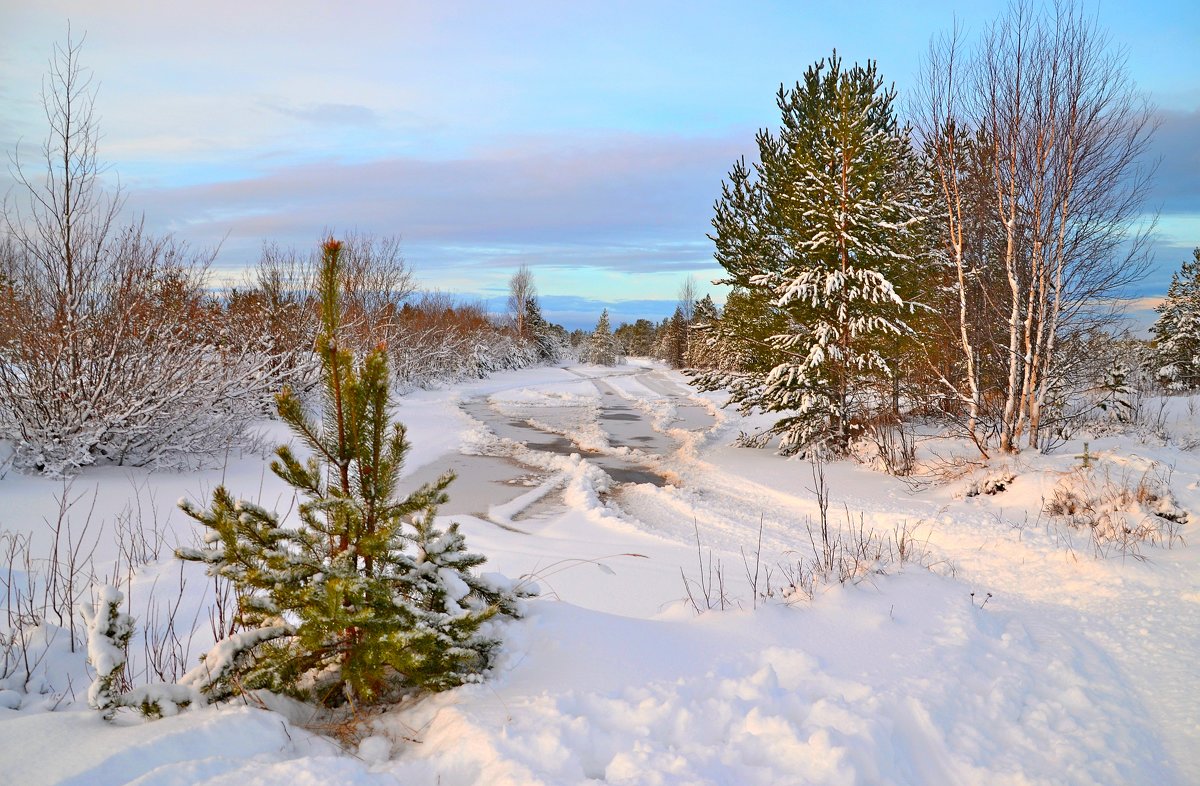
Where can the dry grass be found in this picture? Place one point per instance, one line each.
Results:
(1120, 513)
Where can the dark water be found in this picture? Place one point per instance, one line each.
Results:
(619, 468)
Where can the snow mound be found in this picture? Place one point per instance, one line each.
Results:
(915, 684)
(230, 745)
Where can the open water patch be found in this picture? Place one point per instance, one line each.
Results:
(619, 468)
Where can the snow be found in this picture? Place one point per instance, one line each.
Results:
(1078, 668)
(219, 660)
(206, 745)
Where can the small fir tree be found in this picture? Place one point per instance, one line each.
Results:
(1118, 392)
(673, 345)
(1177, 331)
(547, 338)
(108, 634)
(601, 347)
(365, 598)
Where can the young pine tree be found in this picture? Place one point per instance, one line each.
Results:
(365, 598)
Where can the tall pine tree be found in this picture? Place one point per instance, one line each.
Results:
(674, 340)
(817, 237)
(364, 597)
(549, 339)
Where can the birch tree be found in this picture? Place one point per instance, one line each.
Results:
(1048, 105)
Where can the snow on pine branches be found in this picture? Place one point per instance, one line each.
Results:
(1177, 331)
(822, 238)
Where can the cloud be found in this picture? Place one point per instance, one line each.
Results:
(330, 114)
(1177, 182)
(625, 205)
(1139, 314)
(1143, 303)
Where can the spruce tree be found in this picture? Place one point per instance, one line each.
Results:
(636, 339)
(364, 597)
(601, 347)
(701, 352)
(547, 338)
(817, 237)
(1177, 331)
(673, 348)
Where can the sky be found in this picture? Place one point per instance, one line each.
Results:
(585, 139)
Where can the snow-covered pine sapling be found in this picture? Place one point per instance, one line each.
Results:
(108, 633)
(246, 544)
(361, 599)
(216, 676)
(447, 601)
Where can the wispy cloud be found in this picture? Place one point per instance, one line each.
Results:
(625, 204)
(329, 114)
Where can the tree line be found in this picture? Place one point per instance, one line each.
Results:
(966, 264)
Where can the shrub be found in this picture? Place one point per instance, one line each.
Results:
(1119, 513)
(109, 349)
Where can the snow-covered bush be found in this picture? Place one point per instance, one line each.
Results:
(990, 483)
(108, 634)
(439, 342)
(886, 445)
(136, 384)
(110, 349)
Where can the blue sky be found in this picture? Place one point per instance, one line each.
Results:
(586, 139)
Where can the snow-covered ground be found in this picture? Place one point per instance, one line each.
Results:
(1008, 652)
